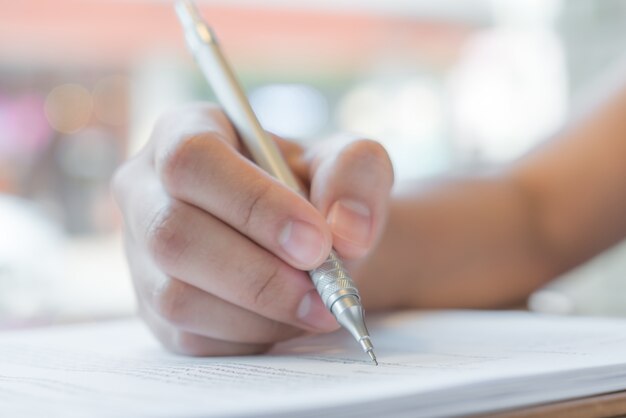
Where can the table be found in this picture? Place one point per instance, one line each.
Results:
(606, 405)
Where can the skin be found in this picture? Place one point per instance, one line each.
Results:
(488, 242)
(217, 248)
(213, 242)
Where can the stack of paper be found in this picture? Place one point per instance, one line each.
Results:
(431, 364)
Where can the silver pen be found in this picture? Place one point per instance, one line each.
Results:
(332, 281)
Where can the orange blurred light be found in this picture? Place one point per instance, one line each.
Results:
(68, 108)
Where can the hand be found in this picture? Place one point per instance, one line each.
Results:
(218, 248)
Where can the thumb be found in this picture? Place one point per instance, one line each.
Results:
(350, 185)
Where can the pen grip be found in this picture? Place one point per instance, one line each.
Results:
(332, 280)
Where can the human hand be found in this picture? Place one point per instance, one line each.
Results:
(218, 249)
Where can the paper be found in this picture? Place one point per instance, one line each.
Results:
(433, 364)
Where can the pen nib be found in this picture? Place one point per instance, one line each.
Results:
(372, 356)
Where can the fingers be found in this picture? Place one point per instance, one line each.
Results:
(190, 344)
(217, 247)
(184, 307)
(206, 254)
(207, 171)
(351, 183)
(201, 250)
(190, 309)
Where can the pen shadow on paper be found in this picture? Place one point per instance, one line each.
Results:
(395, 345)
(387, 339)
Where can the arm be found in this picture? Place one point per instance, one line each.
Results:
(490, 241)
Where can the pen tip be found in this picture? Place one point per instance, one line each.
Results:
(372, 356)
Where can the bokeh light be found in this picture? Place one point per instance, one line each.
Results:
(68, 108)
(445, 86)
(290, 110)
(23, 126)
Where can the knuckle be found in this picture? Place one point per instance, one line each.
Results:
(177, 158)
(180, 160)
(254, 201)
(169, 301)
(265, 288)
(165, 238)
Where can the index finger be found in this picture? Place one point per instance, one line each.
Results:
(199, 162)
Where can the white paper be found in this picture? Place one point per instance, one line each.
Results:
(431, 364)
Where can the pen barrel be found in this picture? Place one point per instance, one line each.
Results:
(333, 281)
(230, 94)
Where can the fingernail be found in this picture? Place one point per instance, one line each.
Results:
(351, 220)
(313, 312)
(303, 242)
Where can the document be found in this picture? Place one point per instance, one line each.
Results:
(431, 364)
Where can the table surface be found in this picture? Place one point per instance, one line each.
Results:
(606, 405)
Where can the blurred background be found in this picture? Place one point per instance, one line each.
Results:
(446, 85)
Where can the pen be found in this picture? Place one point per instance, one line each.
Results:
(331, 279)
